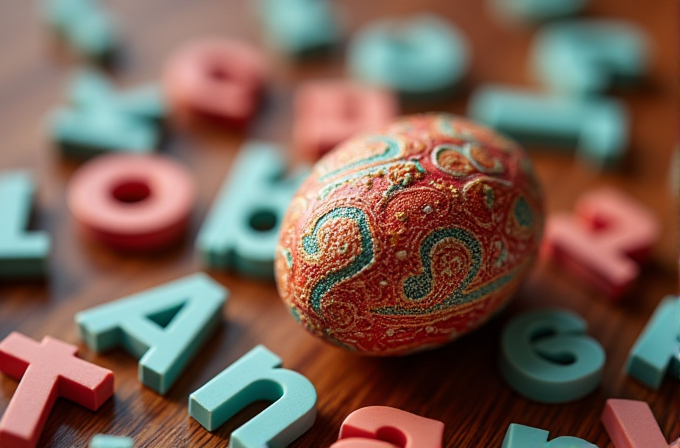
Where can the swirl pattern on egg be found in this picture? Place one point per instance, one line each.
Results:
(406, 238)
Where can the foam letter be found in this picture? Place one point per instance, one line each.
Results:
(242, 229)
(597, 127)
(631, 424)
(391, 425)
(300, 27)
(590, 56)
(84, 24)
(164, 326)
(215, 80)
(47, 371)
(104, 441)
(564, 366)
(132, 202)
(100, 120)
(604, 242)
(656, 350)
(257, 376)
(519, 436)
(422, 58)
(22, 254)
(329, 112)
(528, 11)
(362, 443)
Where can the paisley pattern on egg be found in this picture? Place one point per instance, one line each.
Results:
(407, 238)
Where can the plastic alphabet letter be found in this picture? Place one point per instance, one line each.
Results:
(164, 326)
(597, 127)
(584, 57)
(519, 436)
(241, 230)
(257, 376)
(564, 366)
(328, 112)
(215, 80)
(22, 254)
(392, 425)
(631, 424)
(105, 441)
(132, 202)
(526, 11)
(604, 242)
(46, 370)
(362, 443)
(656, 350)
(300, 27)
(84, 24)
(422, 58)
(100, 120)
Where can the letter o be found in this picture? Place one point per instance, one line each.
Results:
(132, 202)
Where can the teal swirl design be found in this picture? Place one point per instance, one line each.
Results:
(446, 128)
(420, 286)
(328, 189)
(364, 259)
(523, 213)
(391, 151)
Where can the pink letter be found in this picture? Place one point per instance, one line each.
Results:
(604, 241)
(391, 425)
(47, 371)
(631, 424)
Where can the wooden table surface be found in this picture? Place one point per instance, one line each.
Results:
(458, 384)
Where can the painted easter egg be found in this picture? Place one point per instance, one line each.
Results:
(409, 237)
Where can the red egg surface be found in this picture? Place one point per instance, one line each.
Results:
(409, 237)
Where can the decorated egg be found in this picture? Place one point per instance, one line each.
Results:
(409, 237)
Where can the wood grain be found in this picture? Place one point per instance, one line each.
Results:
(458, 384)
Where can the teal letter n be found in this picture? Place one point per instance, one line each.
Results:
(257, 376)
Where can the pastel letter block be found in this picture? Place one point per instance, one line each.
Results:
(656, 349)
(526, 11)
(137, 203)
(604, 242)
(631, 424)
(584, 57)
(84, 24)
(100, 120)
(519, 436)
(257, 376)
(47, 371)
(242, 229)
(300, 27)
(362, 443)
(164, 326)
(422, 58)
(329, 112)
(105, 441)
(596, 127)
(564, 366)
(22, 254)
(392, 425)
(215, 80)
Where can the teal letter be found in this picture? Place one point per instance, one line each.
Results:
(164, 326)
(656, 350)
(257, 376)
(242, 228)
(22, 254)
(99, 120)
(546, 356)
(519, 436)
(104, 441)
